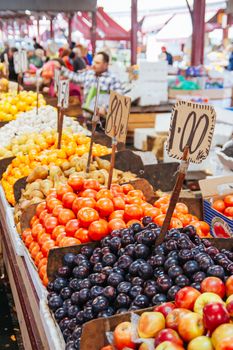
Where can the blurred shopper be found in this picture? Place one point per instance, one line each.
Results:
(65, 56)
(78, 62)
(230, 63)
(37, 45)
(88, 78)
(166, 56)
(5, 51)
(34, 59)
(13, 76)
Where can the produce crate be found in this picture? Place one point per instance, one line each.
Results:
(212, 189)
(212, 94)
(141, 120)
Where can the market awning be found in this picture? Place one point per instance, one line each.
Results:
(48, 5)
(107, 28)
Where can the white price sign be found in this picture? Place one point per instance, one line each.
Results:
(192, 125)
(20, 61)
(57, 74)
(63, 93)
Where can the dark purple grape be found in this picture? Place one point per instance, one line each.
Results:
(156, 260)
(81, 271)
(141, 301)
(159, 299)
(137, 281)
(87, 251)
(150, 291)
(199, 276)
(50, 295)
(72, 324)
(159, 271)
(63, 324)
(66, 333)
(117, 269)
(142, 251)
(175, 271)
(109, 259)
(60, 313)
(88, 314)
(189, 231)
(70, 345)
(147, 220)
(184, 243)
(80, 317)
(216, 271)
(185, 255)
(191, 267)
(77, 332)
(50, 286)
(122, 300)
(182, 281)
(124, 287)
(164, 283)
(64, 271)
(74, 284)
(169, 263)
(115, 244)
(79, 259)
(72, 311)
(65, 293)
(86, 283)
(106, 313)
(59, 283)
(173, 254)
(68, 259)
(126, 239)
(121, 311)
(95, 258)
(160, 250)
(75, 298)
(196, 285)
(145, 271)
(84, 295)
(124, 262)
(134, 291)
(136, 227)
(114, 279)
(171, 245)
(107, 270)
(109, 292)
(99, 304)
(55, 302)
(98, 267)
(133, 269)
(96, 291)
(154, 226)
(67, 303)
(172, 292)
(97, 278)
(149, 237)
(105, 241)
(129, 250)
(138, 237)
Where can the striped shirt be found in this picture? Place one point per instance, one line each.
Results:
(107, 81)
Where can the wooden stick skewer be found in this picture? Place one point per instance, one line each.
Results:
(60, 126)
(175, 195)
(112, 162)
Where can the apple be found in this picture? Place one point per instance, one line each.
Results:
(214, 315)
(190, 326)
(226, 344)
(213, 285)
(204, 299)
(165, 308)
(229, 299)
(200, 343)
(168, 334)
(186, 297)
(222, 333)
(144, 346)
(150, 323)
(229, 306)
(122, 336)
(168, 345)
(172, 319)
(229, 286)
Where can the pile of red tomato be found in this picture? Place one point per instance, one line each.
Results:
(82, 211)
(225, 205)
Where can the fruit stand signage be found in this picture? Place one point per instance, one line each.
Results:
(118, 115)
(57, 74)
(63, 93)
(192, 125)
(20, 61)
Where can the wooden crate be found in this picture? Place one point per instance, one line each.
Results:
(141, 120)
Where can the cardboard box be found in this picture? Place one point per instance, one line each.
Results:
(212, 94)
(140, 137)
(153, 71)
(212, 189)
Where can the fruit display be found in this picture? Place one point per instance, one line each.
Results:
(127, 271)
(195, 321)
(12, 104)
(224, 205)
(17, 131)
(4, 85)
(41, 149)
(44, 178)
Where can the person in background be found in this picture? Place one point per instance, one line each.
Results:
(230, 63)
(78, 62)
(6, 50)
(88, 78)
(37, 45)
(166, 56)
(65, 56)
(34, 59)
(13, 76)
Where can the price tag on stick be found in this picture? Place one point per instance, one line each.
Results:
(117, 124)
(192, 124)
(95, 120)
(63, 102)
(191, 131)
(57, 74)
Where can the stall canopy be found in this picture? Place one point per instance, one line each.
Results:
(107, 28)
(48, 5)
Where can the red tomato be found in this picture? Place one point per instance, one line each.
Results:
(119, 203)
(159, 219)
(127, 187)
(57, 210)
(60, 237)
(105, 206)
(68, 199)
(116, 224)
(228, 211)
(182, 208)
(26, 232)
(69, 241)
(47, 246)
(133, 211)
(33, 220)
(116, 188)
(92, 184)
(98, 229)
(175, 223)
(52, 193)
(42, 271)
(88, 193)
(87, 215)
(71, 227)
(45, 280)
(135, 200)
(152, 211)
(104, 193)
(43, 215)
(136, 193)
(57, 231)
(39, 256)
(219, 205)
(133, 221)
(76, 182)
(32, 245)
(82, 235)
(37, 229)
(65, 215)
(35, 251)
(162, 200)
(117, 214)
(40, 207)
(81, 202)
(28, 240)
(52, 203)
(42, 262)
(50, 224)
(43, 238)
(228, 200)
(62, 189)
